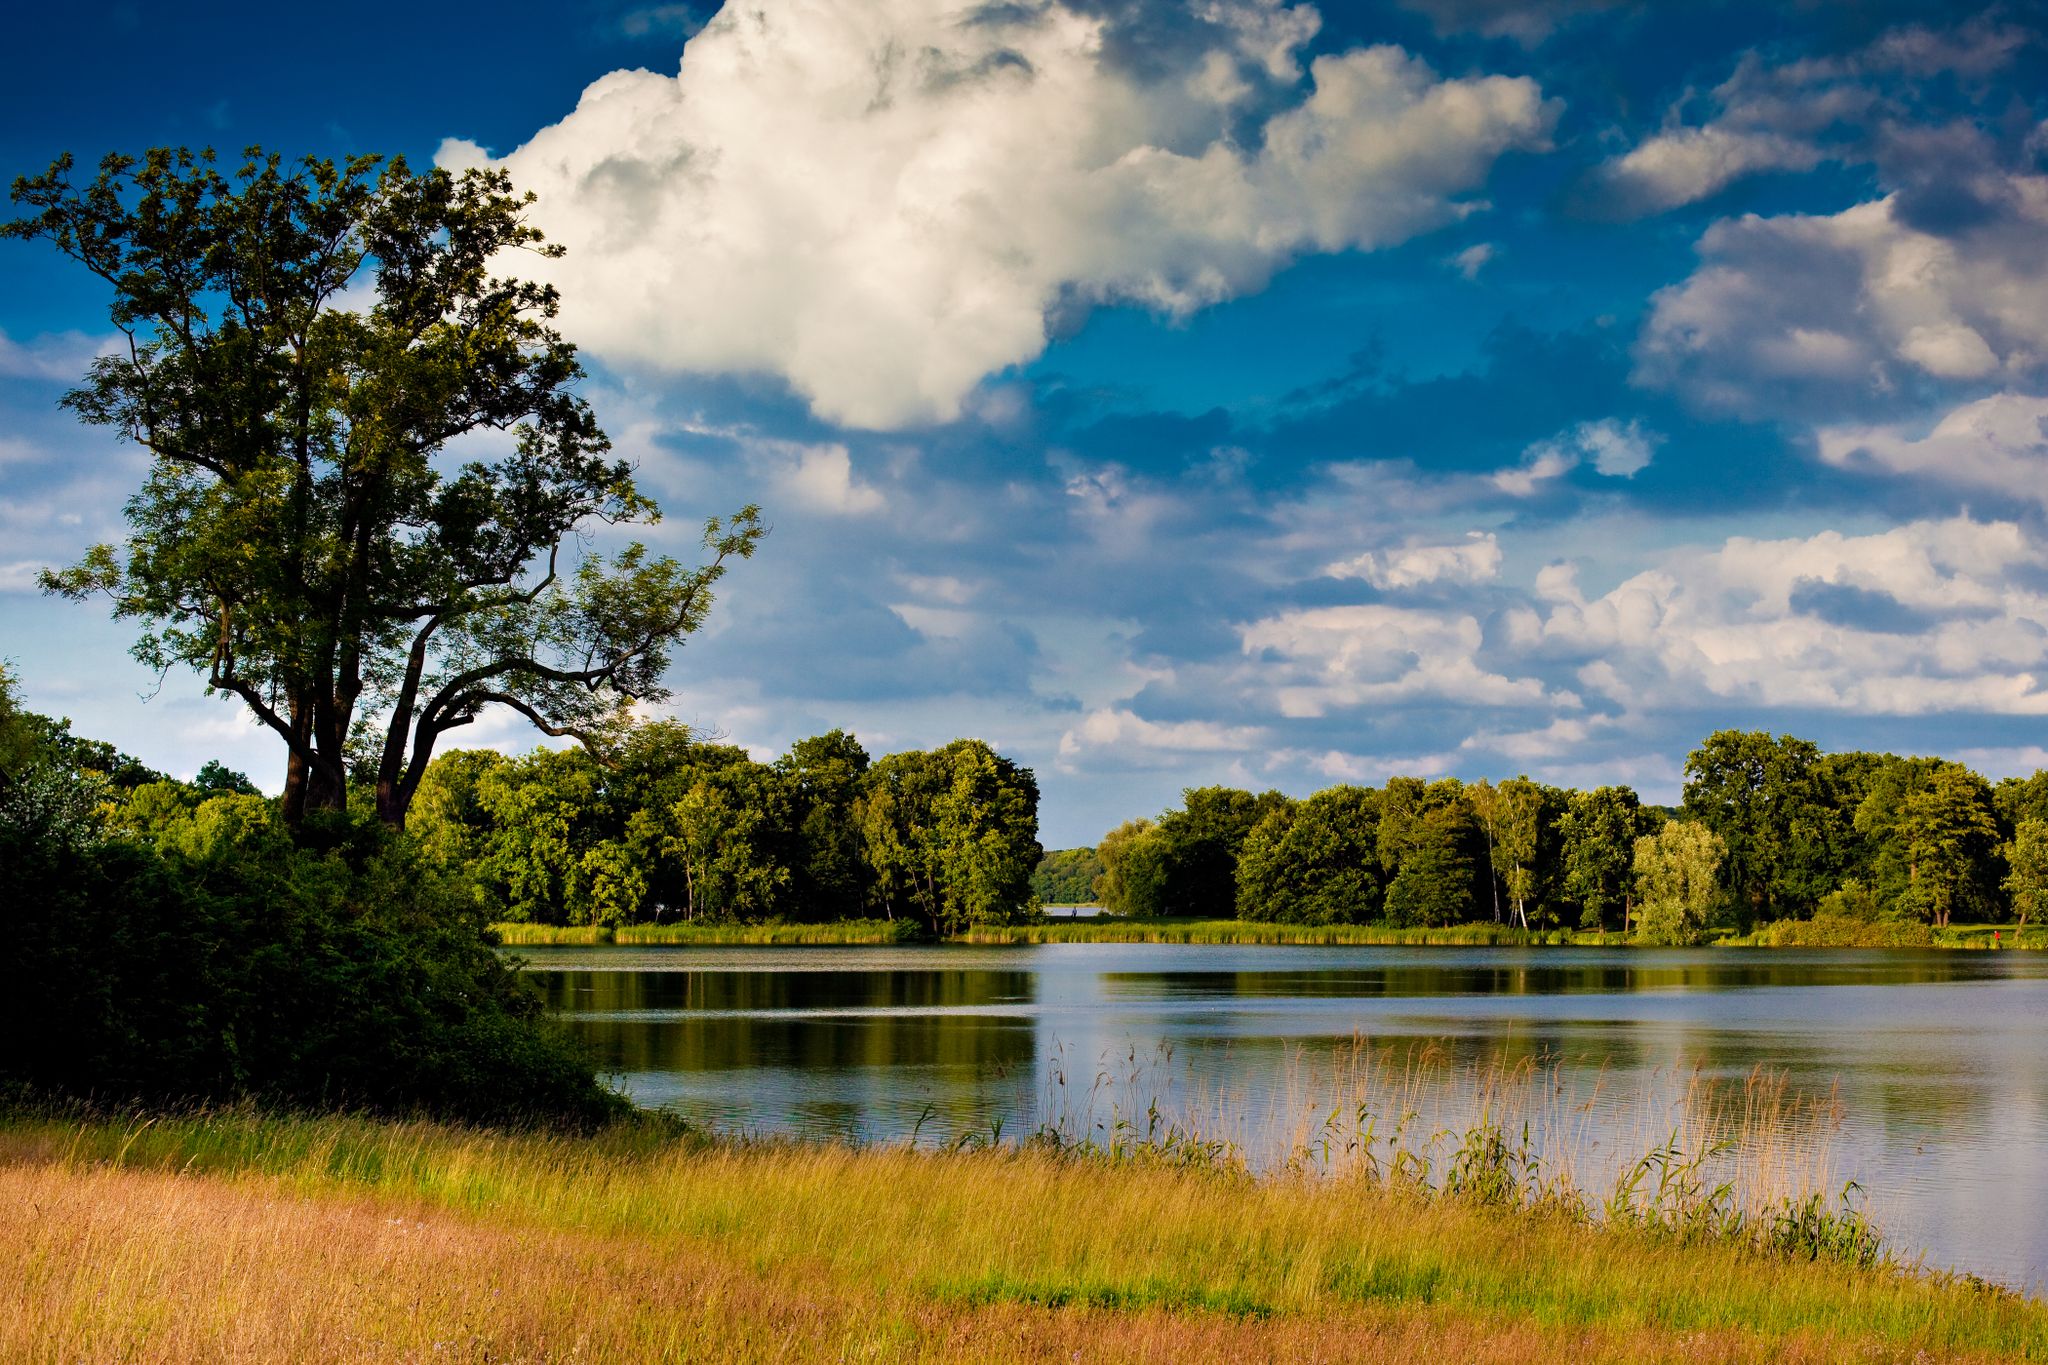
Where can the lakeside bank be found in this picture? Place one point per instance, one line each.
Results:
(1238, 932)
(241, 1236)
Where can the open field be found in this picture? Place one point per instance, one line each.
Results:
(1111, 930)
(238, 1237)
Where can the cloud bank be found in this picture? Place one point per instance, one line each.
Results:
(883, 203)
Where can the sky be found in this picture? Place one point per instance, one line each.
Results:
(1232, 391)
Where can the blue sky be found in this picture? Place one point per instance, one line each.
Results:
(1237, 391)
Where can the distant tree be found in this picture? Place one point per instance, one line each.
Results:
(1403, 804)
(1950, 836)
(216, 778)
(1436, 881)
(1766, 799)
(453, 825)
(2022, 798)
(545, 813)
(1202, 840)
(824, 776)
(724, 833)
(1133, 878)
(1066, 876)
(1599, 832)
(304, 541)
(2027, 880)
(987, 830)
(18, 738)
(951, 834)
(1518, 841)
(1314, 862)
(1677, 872)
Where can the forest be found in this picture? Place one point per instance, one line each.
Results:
(1771, 833)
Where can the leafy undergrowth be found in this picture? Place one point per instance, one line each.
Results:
(238, 1236)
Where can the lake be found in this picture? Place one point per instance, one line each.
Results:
(1938, 1061)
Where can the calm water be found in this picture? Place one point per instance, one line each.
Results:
(1940, 1060)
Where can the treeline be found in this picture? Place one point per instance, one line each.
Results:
(673, 829)
(1771, 830)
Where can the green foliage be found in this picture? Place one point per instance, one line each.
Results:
(1950, 835)
(1676, 874)
(680, 830)
(1436, 881)
(952, 835)
(218, 779)
(1201, 841)
(1598, 832)
(190, 950)
(1768, 801)
(824, 775)
(1314, 862)
(1852, 916)
(1066, 876)
(18, 746)
(1133, 878)
(302, 540)
(2027, 881)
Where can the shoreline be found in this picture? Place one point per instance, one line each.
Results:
(876, 933)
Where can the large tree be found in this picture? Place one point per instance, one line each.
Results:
(1314, 861)
(304, 346)
(1782, 832)
(1599, 831)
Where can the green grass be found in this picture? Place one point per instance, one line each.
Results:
(189, 1238)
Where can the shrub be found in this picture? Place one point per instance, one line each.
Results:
(213, 958)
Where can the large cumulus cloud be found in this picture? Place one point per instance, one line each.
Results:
(884, 202)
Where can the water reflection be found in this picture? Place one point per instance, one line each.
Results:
(1935, 1057)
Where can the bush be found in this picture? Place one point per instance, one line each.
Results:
(1850, 917)
(204, 955)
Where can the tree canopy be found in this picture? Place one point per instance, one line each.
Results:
(368, 460)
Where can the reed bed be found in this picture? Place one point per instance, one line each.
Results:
(860, 931)
(1682, 1152)
(1253, 932)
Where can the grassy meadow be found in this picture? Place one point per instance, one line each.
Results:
(239, 1236)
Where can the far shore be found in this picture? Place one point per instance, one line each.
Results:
(1057, 928)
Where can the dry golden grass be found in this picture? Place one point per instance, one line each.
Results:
(236, 1238)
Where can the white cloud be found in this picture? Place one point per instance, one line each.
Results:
(1689, 164)
(1619, 450)
(1319, 659)
(819, 477)
(1527, 22)
(1928, 617)
(1790, 116)
(1998, 443)
(882, 202)
(1543, 462)
(1113, 730)
(62, 356)
(1475, 559)
(1852, 306)
(1471, 260)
